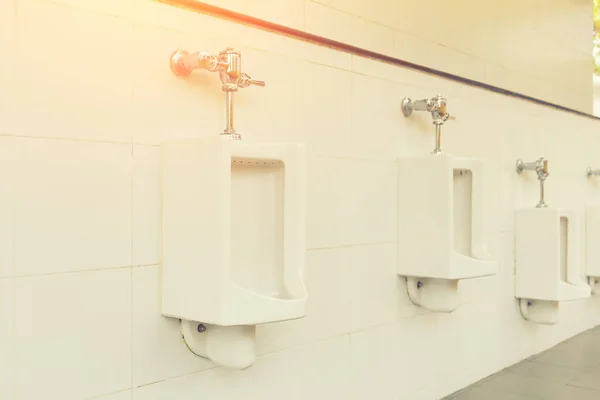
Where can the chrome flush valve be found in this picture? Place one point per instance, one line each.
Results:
(541, 169)
(228, 63)
(437, 106)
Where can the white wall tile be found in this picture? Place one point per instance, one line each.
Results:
(375, 37)
(126, 395)
(289, 13)
(72, 335)
(6, 339)
(374, 202)
(323, 114)
(310, 52)
(376, 363)
(565, 21)
(387, 360)
(113, 7)
(419, 370)
(158, 350)
(8, 166)
(437, 56)
(329, 304)
(72, 205)
(330, 23)
(349, 6)
(175, 18)
(241, 6)
(350, 202)
(329, 212)
(72, 85)
(321, 367)
(468, 347)
(8, 17)
(146, 205)
(462, 26)
(377, 125)
(379, 295)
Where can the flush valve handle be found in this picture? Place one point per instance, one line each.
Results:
(443, 118)
(246, 80)
(438, 106)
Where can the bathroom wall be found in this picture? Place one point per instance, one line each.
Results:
(86, 97)
(537, 47)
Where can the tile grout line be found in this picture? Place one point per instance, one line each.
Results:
(132, 221)
(340, 335)
(16, 152)
(15, 277)
(131, 358)
(13, 336)
(582, 387)
(349, 246)
(67, 139)
(108, 394)
(71, 272)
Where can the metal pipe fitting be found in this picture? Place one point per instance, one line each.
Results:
(437, 106)
(592, 172)
(541, 169)
(228, 63)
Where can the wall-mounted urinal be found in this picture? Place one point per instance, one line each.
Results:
(441, 235)
(546, 256)
(592, 247)
(233, 226)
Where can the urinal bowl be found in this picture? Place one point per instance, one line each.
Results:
(441, 228)
(546, 262)
(233, 241)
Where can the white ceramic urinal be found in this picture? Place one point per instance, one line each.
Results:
(546, 262)
(233, 241)
(592, 247)
(441, 236)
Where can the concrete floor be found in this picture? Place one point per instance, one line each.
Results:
(568, 371)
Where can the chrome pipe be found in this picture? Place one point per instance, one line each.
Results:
(228, 63)
(541, 169)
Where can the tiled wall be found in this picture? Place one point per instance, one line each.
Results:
(86, 95)
(542, 48)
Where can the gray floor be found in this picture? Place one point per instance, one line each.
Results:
(568, 371)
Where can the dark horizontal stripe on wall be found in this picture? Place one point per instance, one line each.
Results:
(258, 23)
